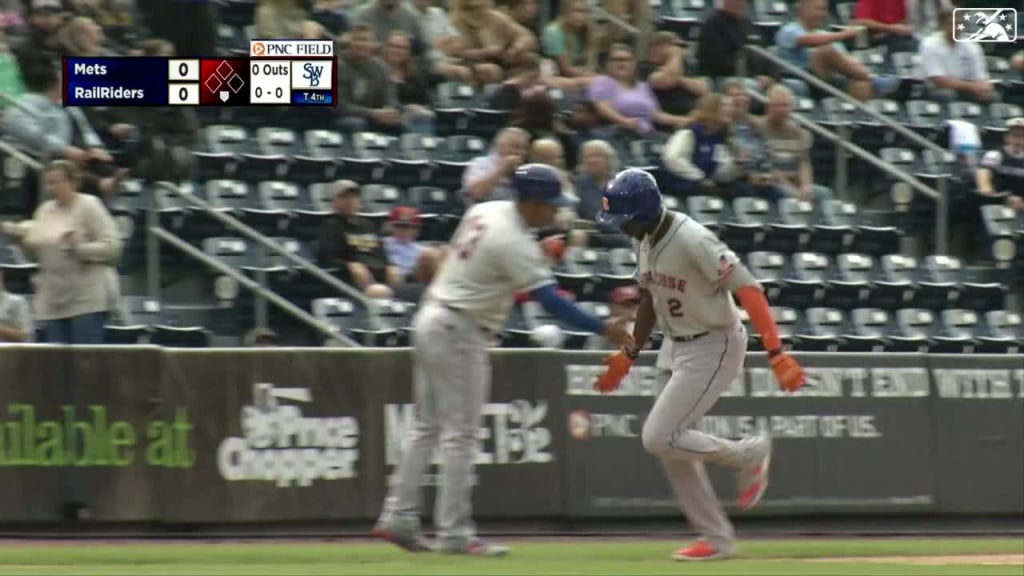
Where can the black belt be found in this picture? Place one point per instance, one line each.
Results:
(689, 338)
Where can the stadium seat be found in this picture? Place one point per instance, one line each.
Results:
(838, 237)
(873, 58)
(894, 285)
(850, 286)
(271, 214)
(873, 134)
(820, 331)
(1001, 228)
(968, 111)
(373, 146)
(456, 95)
(788, 322)
(746, 230)
(535, 315)
(618, 269)
(769, 268)
(393, 330)
(925, 117)
(837, 114)
(180, 336)
(464, 148)
(934, 166)
(233, 252)
(227, 138)
(905, 63)
(804, 283)
(955, 332)
(378, 200)
(769, 15)
(578, 271)
(212, 165)
(415, 146)
(865, 331)
(938, 281)
(438, 212)
(125, 335)
(228, 195)
(340, 313)
(325, 144)
(136, 310)
(998, 68)
(1002, 333)
(485, 122)
(876, 240)
(912, 330)
(708, 210)
(516, 333)
(646, 152)
(687, 26)
(792, 229)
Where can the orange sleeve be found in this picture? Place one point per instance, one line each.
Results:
(754, 302)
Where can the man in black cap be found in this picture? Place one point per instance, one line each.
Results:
(351, 244)
(1002, 171)
(45, 19)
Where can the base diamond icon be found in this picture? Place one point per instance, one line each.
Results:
(224, 95)
(236, 83)
(224, 70)
(213, 83)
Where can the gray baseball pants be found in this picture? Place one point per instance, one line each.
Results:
(451, 384)
(702, 370)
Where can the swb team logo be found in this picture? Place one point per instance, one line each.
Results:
(985, 25)
(312, 73)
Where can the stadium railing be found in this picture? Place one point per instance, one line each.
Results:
(940, 195)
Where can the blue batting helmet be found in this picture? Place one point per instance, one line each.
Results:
(632, 196)
(539, 182)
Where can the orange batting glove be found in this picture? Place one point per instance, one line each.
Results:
(554, 247)
(618, 365)
(788, 371)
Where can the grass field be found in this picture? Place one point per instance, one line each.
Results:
(874, 557)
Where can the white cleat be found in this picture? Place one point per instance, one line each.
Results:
(752, 478)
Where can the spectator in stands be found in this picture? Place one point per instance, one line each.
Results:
(632, 13)
(16, 323)
(754, 167)
(627, 104)
(573, 41)
(442, 42)
(1017, 62)
(487, 177)
(416, 261)
(350, 243)
(77, 245)
(367, 99)
(83, 38)
(665, 72)
(494, 43)
(261, 338)
(45, 19)
(721, 50)
(154, 142)
(953, 70)
(116, 17)
(12, 19)
(789, 153)
(699, 156)
(584, 121)
(45, 129)
(888, 23)
(549, 151)
(196, 40)
(386, 16)
(11, 83)
(624, 302)
(537, 113)
(1001, 172)
(803, 43)
(526, 13)
(599, 163)
(285, 19)
(331, 16)
(412, 87)
(523, 79)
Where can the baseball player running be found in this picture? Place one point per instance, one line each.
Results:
(493, 256)
(688, 278)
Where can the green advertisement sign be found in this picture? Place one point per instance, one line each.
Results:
(89, 436)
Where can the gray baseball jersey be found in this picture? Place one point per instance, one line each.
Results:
(493, 257)
(689, 273)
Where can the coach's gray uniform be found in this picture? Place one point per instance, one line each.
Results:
(690, 275)
(493, 256)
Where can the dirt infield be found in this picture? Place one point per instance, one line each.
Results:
(962, 560)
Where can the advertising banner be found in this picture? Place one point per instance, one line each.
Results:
(979, 433)
(281, 433)
(850, 413)
(519, 465)
(79, 427)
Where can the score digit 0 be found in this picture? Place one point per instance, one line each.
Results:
(183, 70)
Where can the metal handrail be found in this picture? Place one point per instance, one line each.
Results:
(20, 156)
(330, 332)
(822, 85)
(600, 12)
(298, 261)
(940, 197)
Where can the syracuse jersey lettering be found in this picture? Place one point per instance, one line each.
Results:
(686, 272)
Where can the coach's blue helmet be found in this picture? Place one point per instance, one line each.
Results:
(631, 196)
(539, 182)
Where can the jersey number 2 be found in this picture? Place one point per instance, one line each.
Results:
(675, 308)
(468, 240)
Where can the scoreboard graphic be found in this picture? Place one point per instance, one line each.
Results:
(277, 72)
